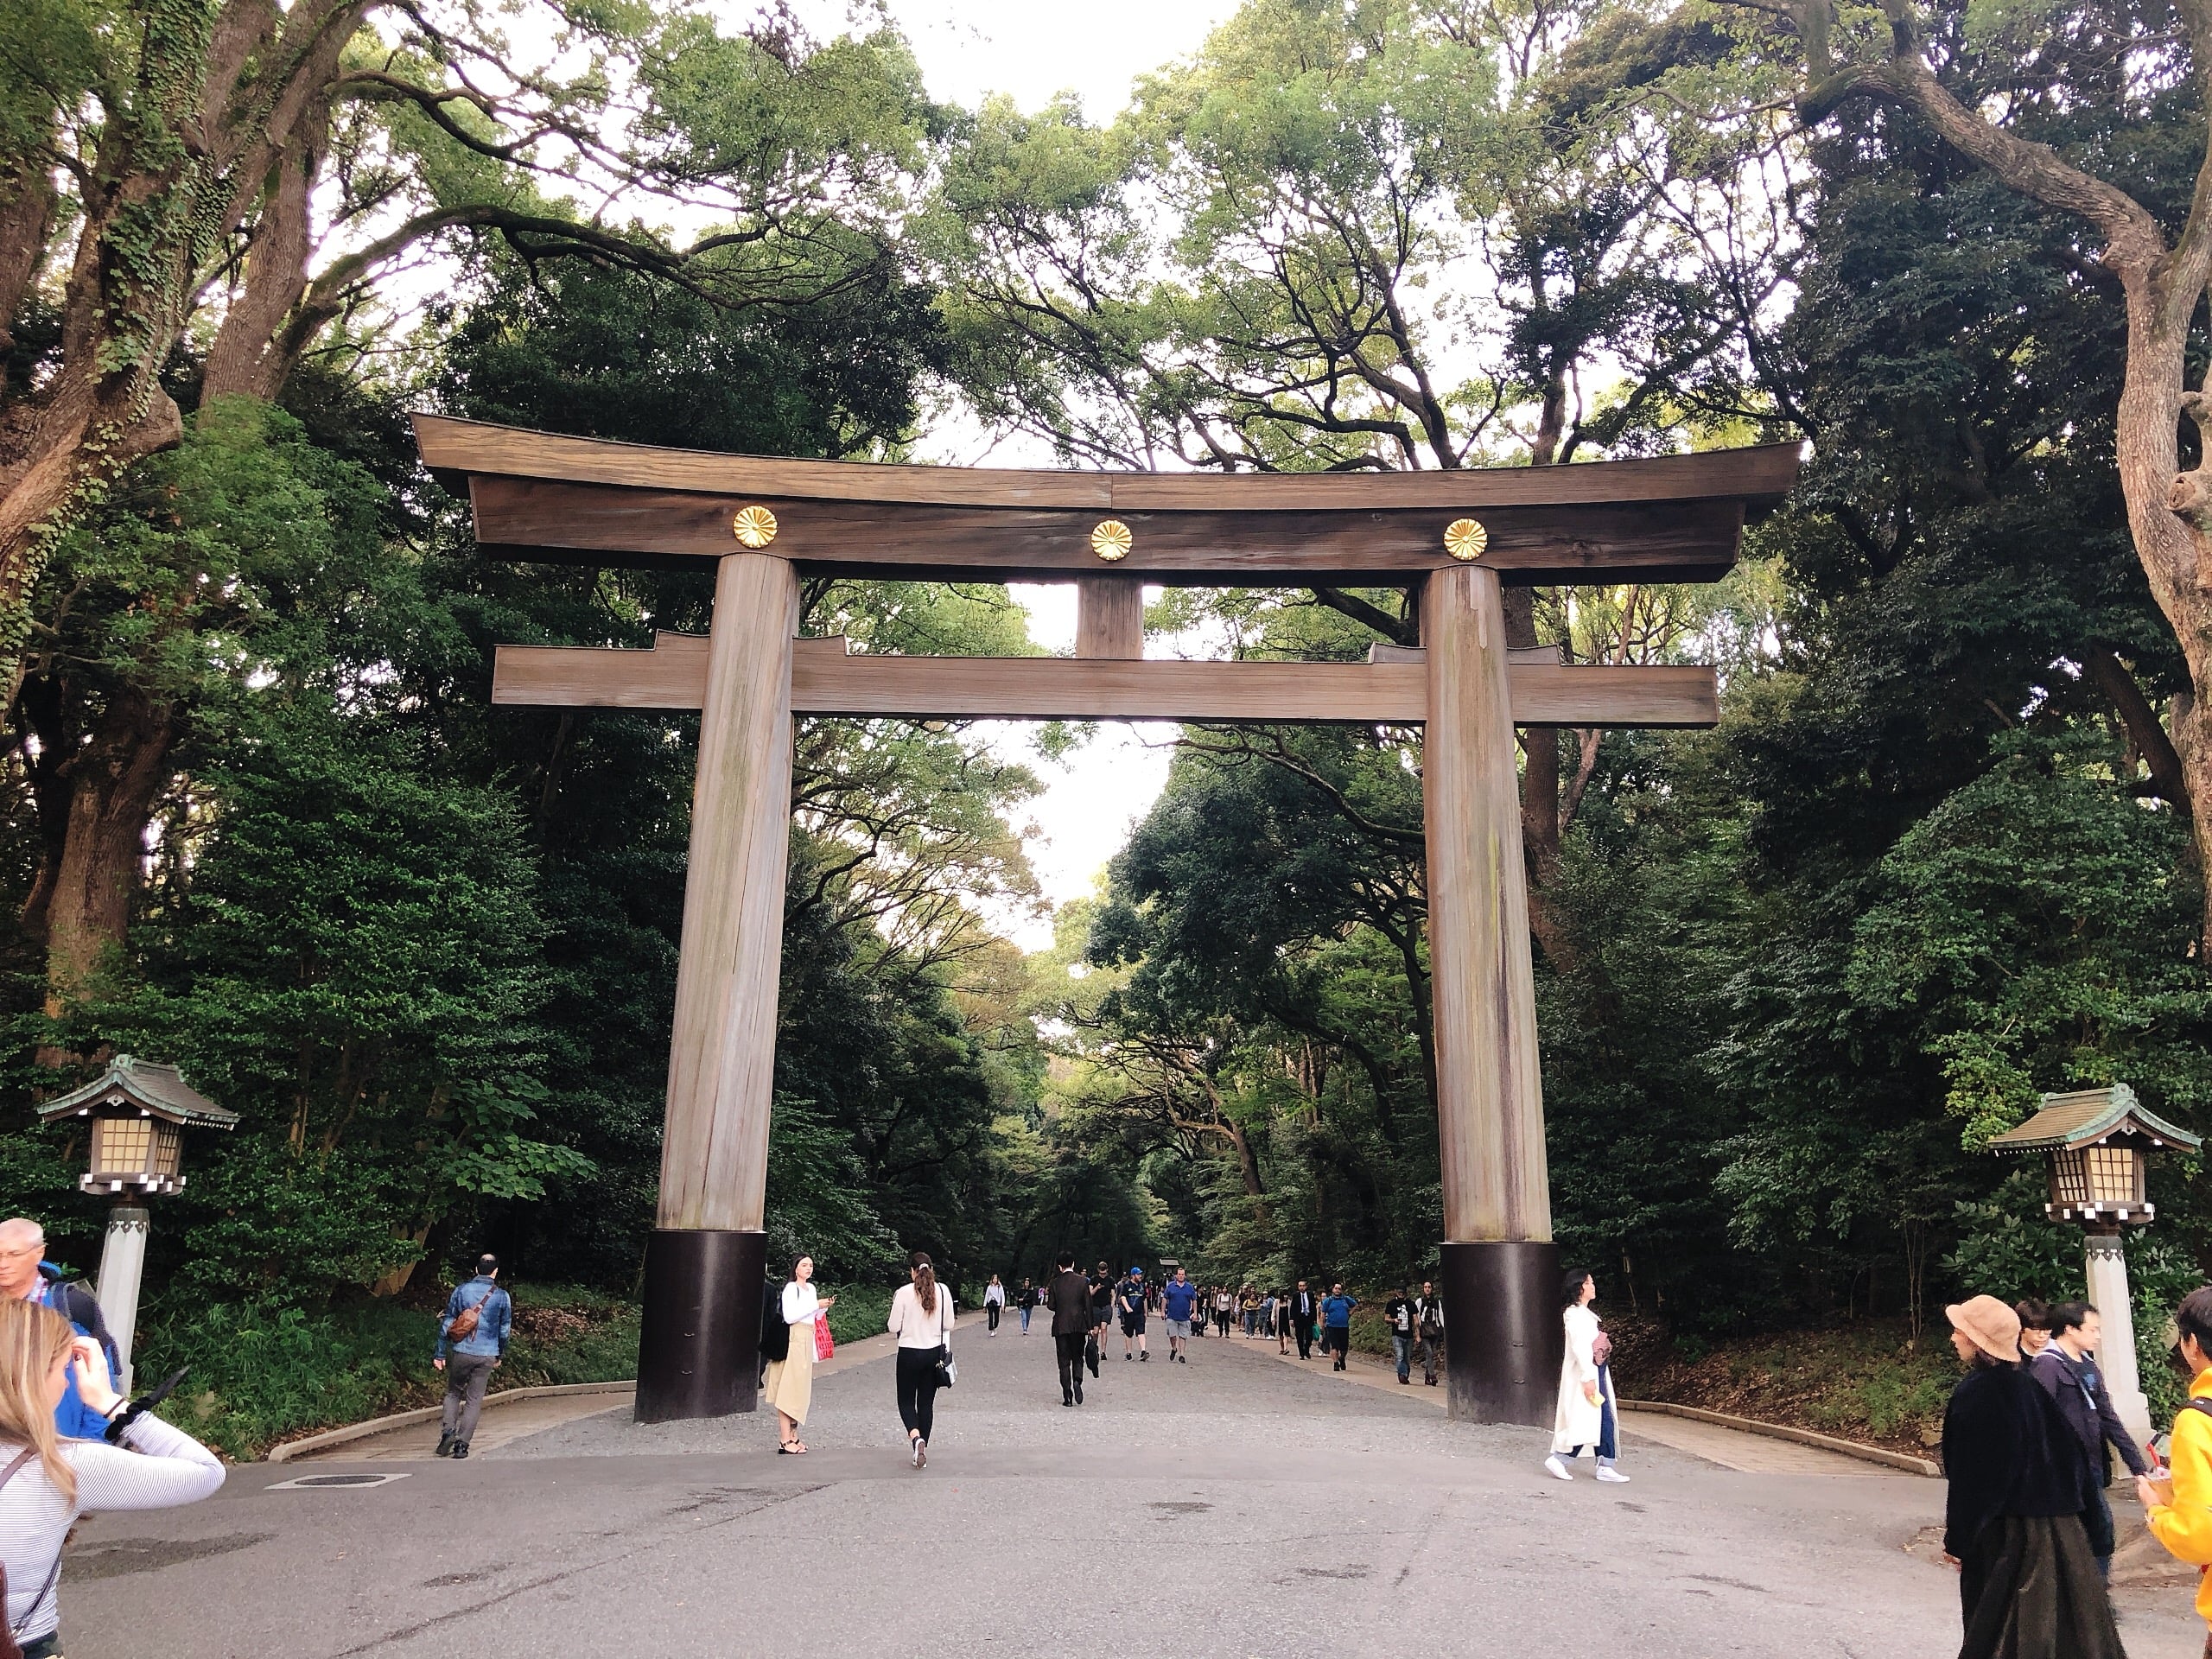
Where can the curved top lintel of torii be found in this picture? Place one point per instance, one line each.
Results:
(545, 496)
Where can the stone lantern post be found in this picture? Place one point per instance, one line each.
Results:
(137, 1112)
(2098, 1142)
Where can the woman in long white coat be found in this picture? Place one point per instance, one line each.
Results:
(1587, 1414)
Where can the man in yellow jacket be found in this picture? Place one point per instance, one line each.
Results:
(2179, 1508)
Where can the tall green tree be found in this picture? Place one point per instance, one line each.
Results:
(2094, 114)
(171, 170)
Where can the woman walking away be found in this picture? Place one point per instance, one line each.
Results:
(2019, 1479)
(47, 1482)
(1587, 1415)
(921, 1318)
(994, 1302)
(790, 1376)
(2179, 1508)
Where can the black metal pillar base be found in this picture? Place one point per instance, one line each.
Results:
(698, 1353)
(1503, 1338)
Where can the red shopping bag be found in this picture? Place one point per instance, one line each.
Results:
(822, 1346)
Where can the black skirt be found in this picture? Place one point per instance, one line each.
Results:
(2030, 1590)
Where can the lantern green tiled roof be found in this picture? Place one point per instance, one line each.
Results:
(2087, 1117)
(157, 1090)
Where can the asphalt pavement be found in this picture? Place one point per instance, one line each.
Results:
(1236, 1506)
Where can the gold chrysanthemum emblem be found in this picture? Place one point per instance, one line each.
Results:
(1465, 539)
(1111, 540)
(754, 526)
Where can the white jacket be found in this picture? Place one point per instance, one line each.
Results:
(1577, 1421)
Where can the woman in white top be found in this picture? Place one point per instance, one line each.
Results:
(1587, 1415)
(993, 1300)
(790, 1379)
(921, 1318)
(47, 1482)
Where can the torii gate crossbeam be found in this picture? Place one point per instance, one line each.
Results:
(1458, 537)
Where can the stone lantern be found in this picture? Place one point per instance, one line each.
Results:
(2099, 1143)
(139, 1113)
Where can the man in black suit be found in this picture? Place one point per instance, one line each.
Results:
(1303, 1310)
(1069, 1297)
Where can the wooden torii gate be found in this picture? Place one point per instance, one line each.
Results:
(1456, 535)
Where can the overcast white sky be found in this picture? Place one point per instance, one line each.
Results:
(1031, 49)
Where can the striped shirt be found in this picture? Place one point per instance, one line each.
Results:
(164, 1466)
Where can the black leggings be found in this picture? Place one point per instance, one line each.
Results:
(917, 1389)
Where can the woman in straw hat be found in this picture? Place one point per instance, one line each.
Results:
(2020, 1481)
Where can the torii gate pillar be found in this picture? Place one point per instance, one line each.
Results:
(1501, 1272)
(705, 1263)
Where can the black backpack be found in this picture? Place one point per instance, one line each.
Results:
(775, 1335)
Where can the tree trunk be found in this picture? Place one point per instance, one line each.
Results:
(2169, 510)
(78, 444)
(263, 334)
(1248, 1165)
(207, 129)
(2169, 519)
(26, 216)
(113, 782)
(2148, 740)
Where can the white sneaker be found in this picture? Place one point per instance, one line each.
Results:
(1608, 1473)
(921, 1453)
(1555, 1469)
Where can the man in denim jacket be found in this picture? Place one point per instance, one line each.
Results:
(472, 1357)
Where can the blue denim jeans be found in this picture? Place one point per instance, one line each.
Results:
(1608, 1431)
(1402, 1350)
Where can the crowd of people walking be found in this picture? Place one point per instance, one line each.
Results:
(1297, 1315)
(1082, 1306)
(2027, 1434)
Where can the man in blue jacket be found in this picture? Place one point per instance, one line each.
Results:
(2067, 1368)
(472, 1341)
(27, 1276)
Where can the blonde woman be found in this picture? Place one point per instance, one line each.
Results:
(47, 1482)
(921, 1318)
(790, 1379)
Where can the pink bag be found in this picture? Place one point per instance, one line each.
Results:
(822, 1346)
